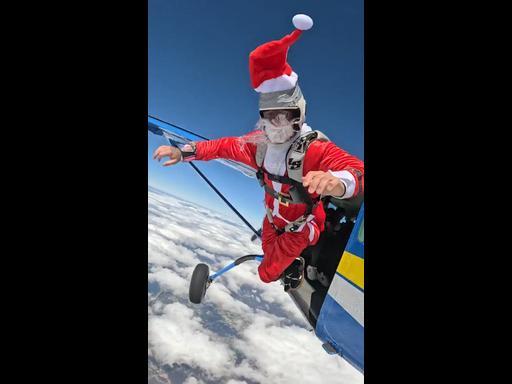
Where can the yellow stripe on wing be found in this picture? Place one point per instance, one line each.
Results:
(351, 267)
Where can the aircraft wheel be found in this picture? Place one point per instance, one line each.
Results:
(199, 283)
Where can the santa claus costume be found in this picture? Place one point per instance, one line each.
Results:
(295, 218)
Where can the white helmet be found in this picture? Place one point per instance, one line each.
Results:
(290, 99)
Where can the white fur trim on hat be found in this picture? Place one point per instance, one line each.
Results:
(281, 83)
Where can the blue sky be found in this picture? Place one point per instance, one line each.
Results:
(198, 78)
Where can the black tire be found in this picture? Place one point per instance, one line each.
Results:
(198, 283)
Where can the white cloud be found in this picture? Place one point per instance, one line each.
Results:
(245, 331)
(169, 280)
(179, 337)
(192, 380)
(221, 296)
(263, 341)
(202, 252)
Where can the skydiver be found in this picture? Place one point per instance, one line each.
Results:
(295, 165)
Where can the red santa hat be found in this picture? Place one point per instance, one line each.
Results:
(268, 67)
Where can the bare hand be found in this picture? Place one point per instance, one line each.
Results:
(323, 183)
(173, 153)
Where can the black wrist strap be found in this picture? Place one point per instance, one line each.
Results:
(188, 154)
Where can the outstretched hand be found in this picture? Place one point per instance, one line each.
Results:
(173, 153)
(323, 183)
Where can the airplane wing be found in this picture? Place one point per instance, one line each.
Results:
(341, 320)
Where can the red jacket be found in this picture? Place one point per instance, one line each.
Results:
(320, 156)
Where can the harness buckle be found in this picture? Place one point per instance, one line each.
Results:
(280, 199)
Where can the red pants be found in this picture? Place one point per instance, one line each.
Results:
(280, 250)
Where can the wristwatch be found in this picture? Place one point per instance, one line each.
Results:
(188, 152)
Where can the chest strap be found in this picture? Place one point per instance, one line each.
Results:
(297, 194)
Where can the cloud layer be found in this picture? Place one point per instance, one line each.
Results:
(245, 331)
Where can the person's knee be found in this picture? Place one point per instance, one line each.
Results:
(263, 275)
(266, 275)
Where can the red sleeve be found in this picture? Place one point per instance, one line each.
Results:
(326, 156)
(231, 148)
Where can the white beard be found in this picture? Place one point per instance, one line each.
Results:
(267, 133)
(278, 131)
(260, 135)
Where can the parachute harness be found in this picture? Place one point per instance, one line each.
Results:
(297, 194)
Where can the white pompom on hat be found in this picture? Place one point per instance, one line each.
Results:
(302, 22)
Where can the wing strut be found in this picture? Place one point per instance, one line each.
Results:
(224, 199)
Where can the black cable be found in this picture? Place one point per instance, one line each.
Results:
(225, 200)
